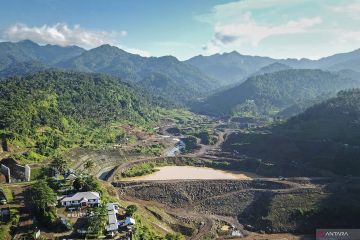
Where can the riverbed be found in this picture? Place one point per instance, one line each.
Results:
(190, 172)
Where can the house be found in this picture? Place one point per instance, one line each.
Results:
(129, 221)
(81, 199)
(112, 227)
(70, 174)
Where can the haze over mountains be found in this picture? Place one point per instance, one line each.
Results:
(273, 92)
(177, 81)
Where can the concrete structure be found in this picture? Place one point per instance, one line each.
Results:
(6, 172)
(112, 227)
(81, 199)
(27, 173)
(15, 172)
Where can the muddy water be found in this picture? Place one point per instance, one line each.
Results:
(189, 172)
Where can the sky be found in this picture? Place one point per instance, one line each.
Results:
(185, 28)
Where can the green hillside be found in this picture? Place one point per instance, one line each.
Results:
(274, 92)
(151, 73)
(51, 111)
(324, 139)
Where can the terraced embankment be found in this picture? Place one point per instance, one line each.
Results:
(270, 205)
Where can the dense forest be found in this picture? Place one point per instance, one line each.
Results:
(271, 93)
(51, 110)
(174, 80)
(326, 136)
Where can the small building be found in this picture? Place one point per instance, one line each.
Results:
(81, 199)
(113, 226)
(129, 221)
(70, 174)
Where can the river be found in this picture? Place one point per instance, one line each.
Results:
(189, 172)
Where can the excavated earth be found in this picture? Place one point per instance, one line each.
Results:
(263, 205)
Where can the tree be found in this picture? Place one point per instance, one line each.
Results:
(78, 183)
(97, 220)
(90, 184)
(41, 196)
(131, 209)
(89, 164)
(59, 164)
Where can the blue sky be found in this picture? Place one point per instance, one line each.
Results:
(276, 28)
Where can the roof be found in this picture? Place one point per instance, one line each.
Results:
(70, 176)
(112, 218)
(129, 221)
(111, 227)
(112, 206)
(80, 195)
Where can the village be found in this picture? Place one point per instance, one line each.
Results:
(82, 208)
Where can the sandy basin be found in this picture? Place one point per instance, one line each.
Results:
(189, 172)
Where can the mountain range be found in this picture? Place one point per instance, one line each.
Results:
(174, 80)
(229, 68)
(323, 139)
(28, 57)
(270, 93)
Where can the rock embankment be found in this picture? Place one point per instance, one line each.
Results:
(197, 193)
(270, 205)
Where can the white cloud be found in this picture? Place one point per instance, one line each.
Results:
(64, 35)
(60, 34)
(353, 9)
(140, 52)
(248, 31)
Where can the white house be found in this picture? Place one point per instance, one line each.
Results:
(81, 199)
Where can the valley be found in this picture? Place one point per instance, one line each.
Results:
(174, 152)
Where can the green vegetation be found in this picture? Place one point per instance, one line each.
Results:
(131, 209)
(146, 232)
(96, 221)
(166, 75)
(7, 193)
(301, 212)
(190, 143)
(270, 93)
(323, 138)
(5, 228)
(87, 183)
(50, 112)
(154, 149)
(42, 199)
(140, 170)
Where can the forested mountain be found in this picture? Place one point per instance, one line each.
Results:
(272, 92)
(167, 88)
(229, 68)
(153, 73)
(273, 67)
(26, 56)
(166, 76)
(326, 136)
(51, 110)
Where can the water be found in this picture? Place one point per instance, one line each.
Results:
(189, 172)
